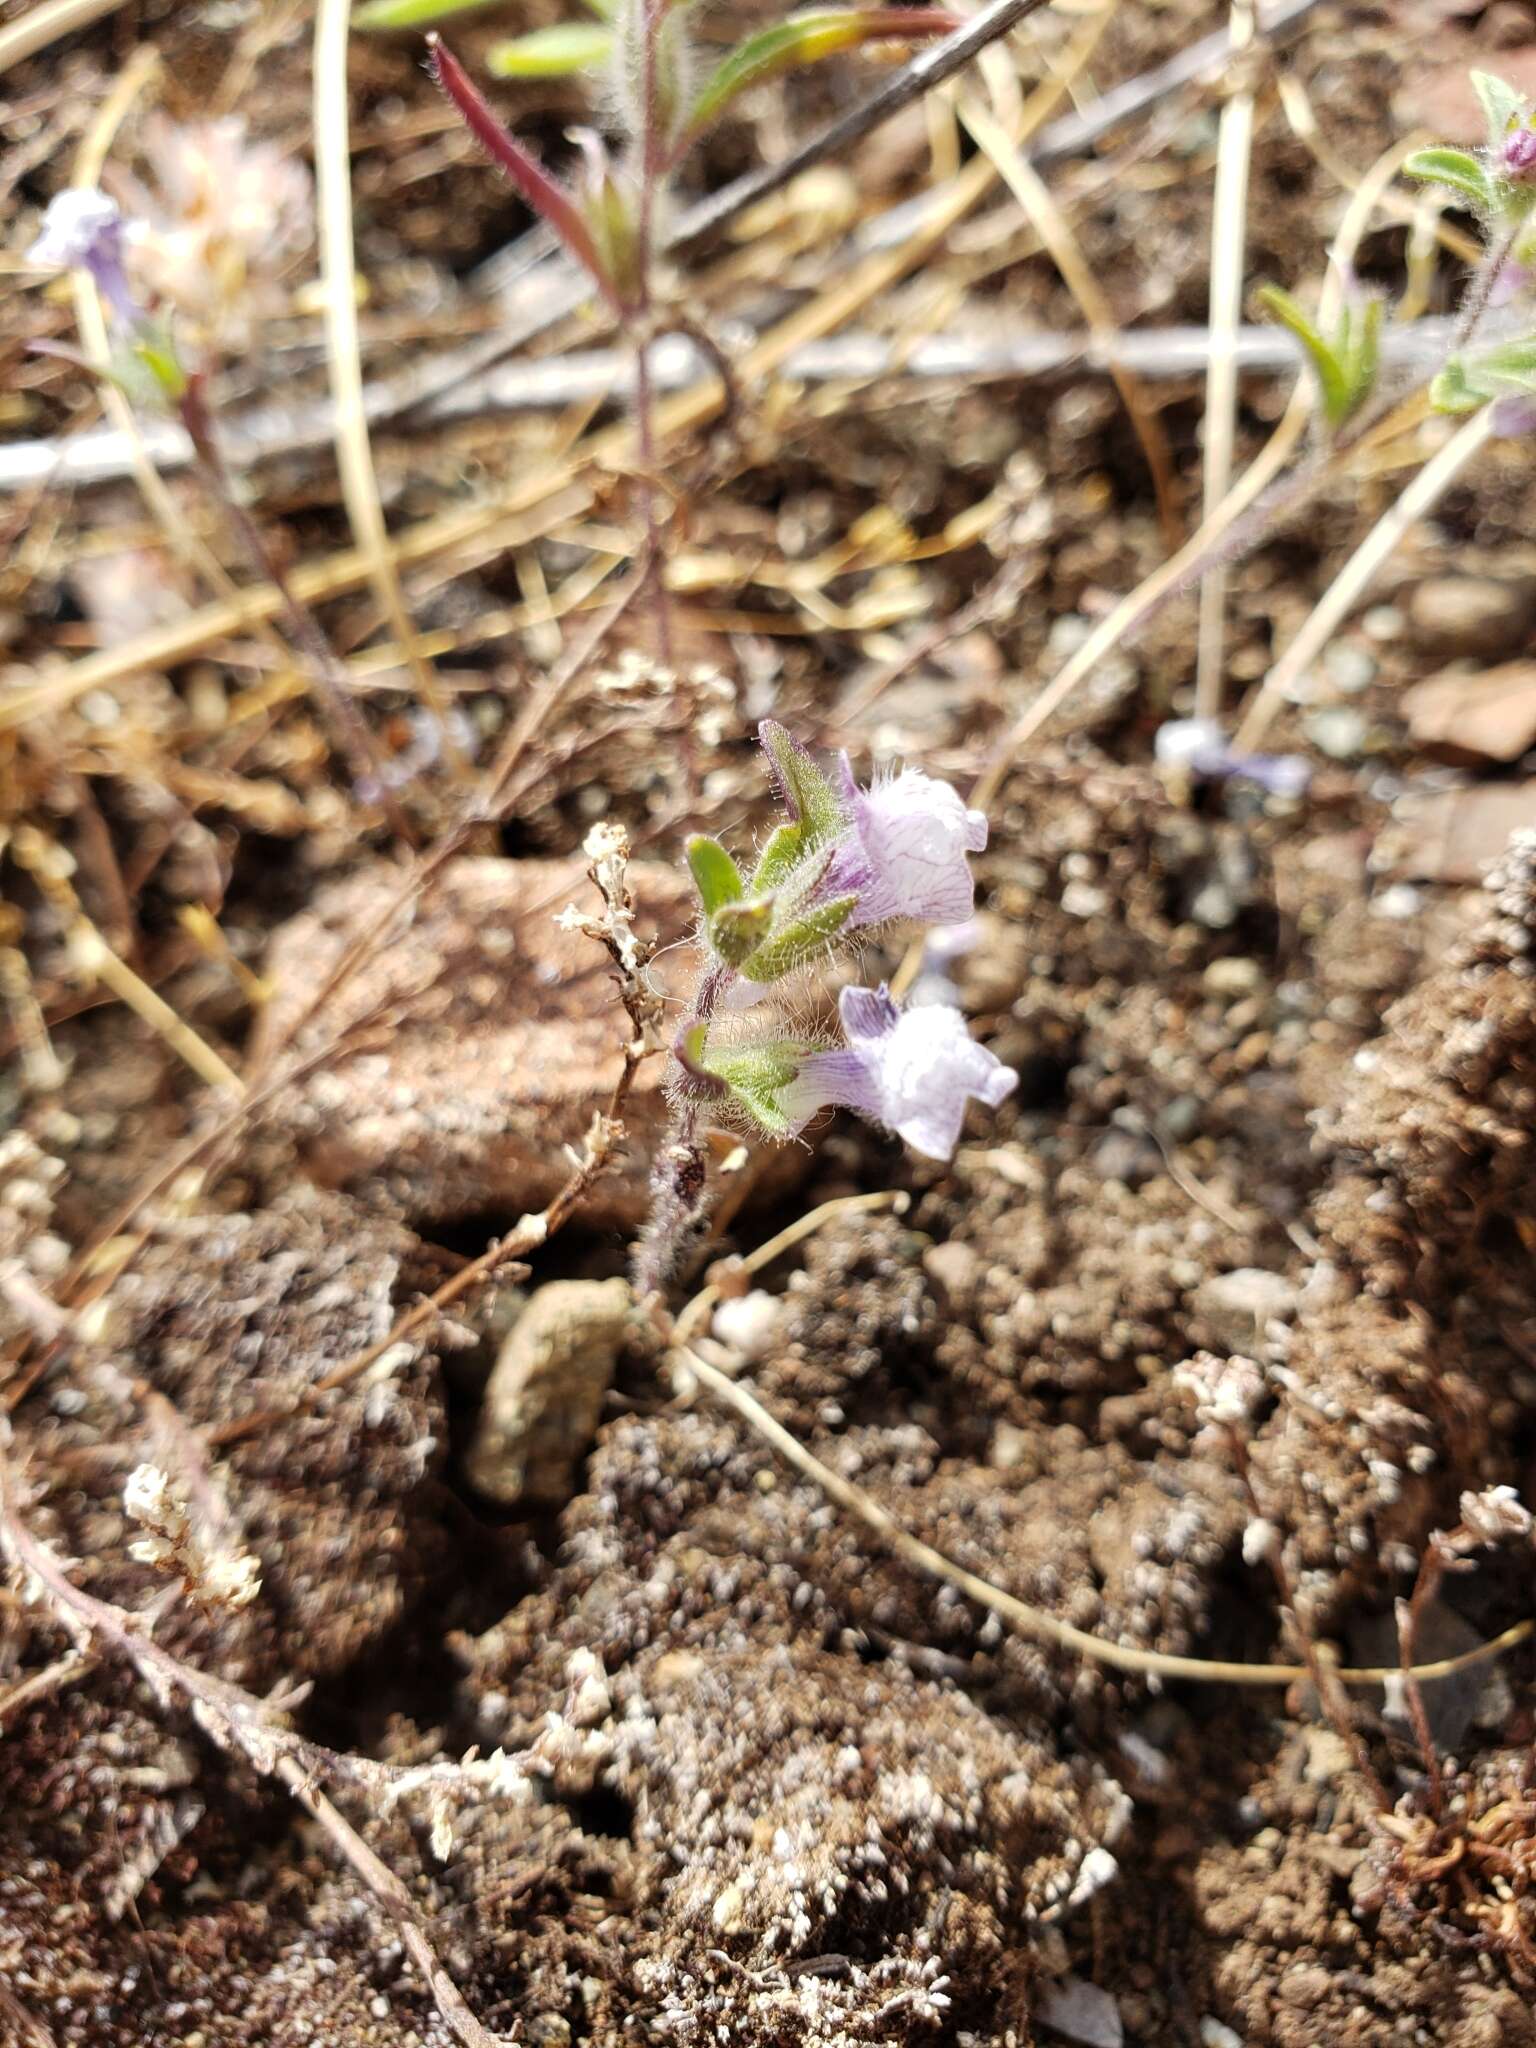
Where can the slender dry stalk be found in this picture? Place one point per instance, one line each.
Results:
(331, 131)
(1032, 193)
(1025, 1620)
(1360, 571)
(47, 23)
(1229, 230)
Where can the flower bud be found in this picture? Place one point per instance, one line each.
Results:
(1517, 157)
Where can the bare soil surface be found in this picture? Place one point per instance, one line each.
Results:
(764, 1783)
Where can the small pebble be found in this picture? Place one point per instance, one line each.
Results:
(1383, 622)
(1348, 666)
(1338, 732)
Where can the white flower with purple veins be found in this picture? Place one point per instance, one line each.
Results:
(905, 853)
(83, 230)
(911, 1070)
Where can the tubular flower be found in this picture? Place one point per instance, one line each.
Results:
(83, 230)
(905, 852)
(912, 1070)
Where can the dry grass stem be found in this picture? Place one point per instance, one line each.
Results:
(338, 279)
(1360, 571)
(1229, 234)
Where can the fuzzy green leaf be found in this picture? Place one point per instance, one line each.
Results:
(1453, 167)
(1510, 366)
(387, 14)
(1332, 378)
(805, 39)
(1502, 105)
(1450, 391)
(715, 875)
(800, 941)
(805, 792)
(737, 929)
(552, 52)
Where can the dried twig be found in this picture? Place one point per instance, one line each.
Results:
(608, 850)
(239, 1723)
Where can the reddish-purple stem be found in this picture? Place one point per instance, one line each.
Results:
(544, 194)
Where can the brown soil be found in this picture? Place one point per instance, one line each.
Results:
(1277, 1100)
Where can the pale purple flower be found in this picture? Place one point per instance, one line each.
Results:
(905, 853)
(83, 230)
(1199, 747)
(911, 1070)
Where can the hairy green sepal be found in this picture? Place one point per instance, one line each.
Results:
(799, 941)
(1502, 106)
(715, 875)
(806, 793)
(756, 1077)
(1468, 383)
(737, 930)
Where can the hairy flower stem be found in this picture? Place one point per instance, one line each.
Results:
(304, 628)
(678, 1185)
(1480, 291)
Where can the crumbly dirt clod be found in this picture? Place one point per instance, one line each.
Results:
(495, 1039)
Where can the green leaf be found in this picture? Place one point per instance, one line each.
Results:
(1512, 365)
(385, 14)
(737, 929)
(805, 792)
(1451, 391)
(805, 39)
(1365, 354)
(800, 941)
(552, 52)
(785, 845)
(1333, 381)
(1453, 167)
(1502, 105)
(715, 875)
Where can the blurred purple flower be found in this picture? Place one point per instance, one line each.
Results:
(905, 853)
(911, 1070)
(83, 230)
(1199, 746)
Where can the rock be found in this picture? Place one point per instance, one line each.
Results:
(1439, 97)
(1239, 1306)
(494, 1038)
(1487, 717)
(1349, 666)
(749, 1323)
(546, 1393)
(1081, 2012)
(954, 1269)
(1338, 731)
(1489, 616)
(1233, 975)
(1453, 834)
